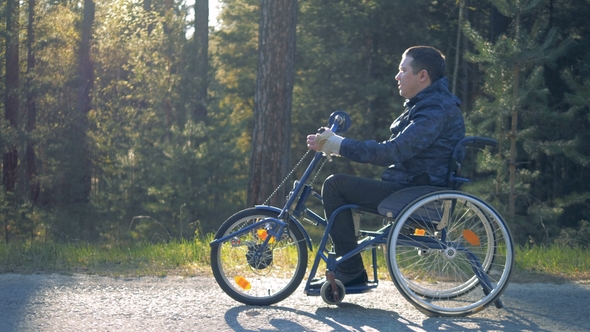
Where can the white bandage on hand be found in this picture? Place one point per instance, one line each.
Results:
(329, 143)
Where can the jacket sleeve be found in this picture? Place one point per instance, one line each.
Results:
(425, 125)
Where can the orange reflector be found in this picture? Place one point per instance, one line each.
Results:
(263, 234)
(471, 237)
(242, 282)
(420, 232)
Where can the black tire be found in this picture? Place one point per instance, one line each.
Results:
(438, 275)
(326, 292)
(265, 280)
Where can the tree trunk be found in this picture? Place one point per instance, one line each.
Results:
(31, 124)
(81, 185)
(167, 102)
(31, 116)
(468, 75)
(147, 6)
(458, 47)
(271, 138)
(11, 105)
(201, 39)
(85, 62)
(513, 152)
(514, 128)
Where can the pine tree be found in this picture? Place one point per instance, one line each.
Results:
(514, 100)
(571, 151)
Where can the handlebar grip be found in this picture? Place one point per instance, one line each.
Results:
(339, 122)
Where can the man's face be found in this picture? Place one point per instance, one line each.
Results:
(408, 83)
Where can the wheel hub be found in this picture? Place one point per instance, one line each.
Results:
(259, 260)
(450, 252)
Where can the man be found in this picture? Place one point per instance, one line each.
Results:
(417, 153)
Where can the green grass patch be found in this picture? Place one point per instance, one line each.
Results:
(139, 259)
(191, 257)
(556, 262)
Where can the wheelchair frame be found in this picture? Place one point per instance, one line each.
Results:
(400, 211)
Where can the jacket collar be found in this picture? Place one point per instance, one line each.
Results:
(439, 86)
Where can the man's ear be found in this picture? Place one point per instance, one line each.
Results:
(424, 77)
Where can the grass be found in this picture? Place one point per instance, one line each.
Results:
(191, 258)
(139, 259)
(553, 263)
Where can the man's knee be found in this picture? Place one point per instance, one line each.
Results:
(333, 182)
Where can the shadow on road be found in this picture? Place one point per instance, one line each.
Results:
(558, 305)
(17, 294)
(353, 317)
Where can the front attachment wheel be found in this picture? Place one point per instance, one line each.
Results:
(331, 297)
(253, 267)
(450, 254)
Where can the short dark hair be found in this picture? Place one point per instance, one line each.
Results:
(429, 59)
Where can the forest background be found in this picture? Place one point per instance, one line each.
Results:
(134, 120)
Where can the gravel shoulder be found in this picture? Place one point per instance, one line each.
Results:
(52, 302)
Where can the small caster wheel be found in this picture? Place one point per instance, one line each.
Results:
(333, 297)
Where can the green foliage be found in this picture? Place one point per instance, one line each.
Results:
(514, 108)
(234, 51)
(152, 158)
(159, 175)
(53, 82)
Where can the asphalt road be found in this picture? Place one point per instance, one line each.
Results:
(42, 302)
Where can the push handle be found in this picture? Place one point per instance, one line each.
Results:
(479, 142)
(454, 180)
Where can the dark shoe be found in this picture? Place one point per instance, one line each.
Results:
(348, 279)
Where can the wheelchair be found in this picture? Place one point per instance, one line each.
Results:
(449, 253)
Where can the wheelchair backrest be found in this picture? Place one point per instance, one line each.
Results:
(454, 178)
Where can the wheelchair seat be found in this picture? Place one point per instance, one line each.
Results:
(393, 204)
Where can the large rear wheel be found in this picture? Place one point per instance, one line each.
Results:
(450, 254)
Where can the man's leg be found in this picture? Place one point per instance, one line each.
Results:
(342, 189)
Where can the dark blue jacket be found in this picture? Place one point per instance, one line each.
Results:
(422, 139)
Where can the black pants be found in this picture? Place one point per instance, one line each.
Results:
(342, 189)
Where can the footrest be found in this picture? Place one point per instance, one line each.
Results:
(361, 289)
